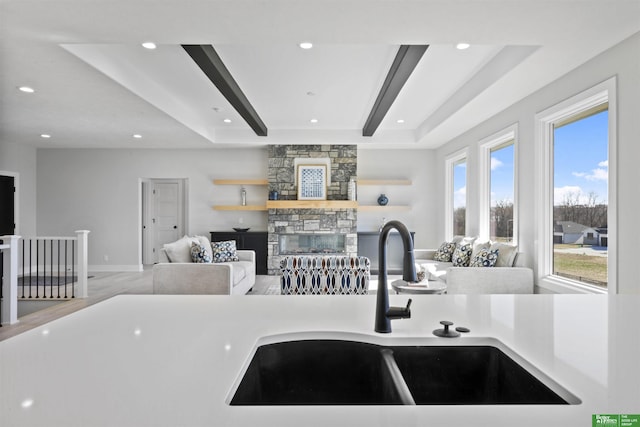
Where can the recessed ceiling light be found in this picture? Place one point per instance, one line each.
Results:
(45, 135)
(314, 120)
(306, 45)
(149, 45)
(26, 89)
(462, 46)
(137, 136)
(400, 121)
(227, 120)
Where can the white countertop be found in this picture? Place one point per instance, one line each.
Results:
(154, 360)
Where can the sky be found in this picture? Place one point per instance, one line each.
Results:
(580, 164)
(581, 158)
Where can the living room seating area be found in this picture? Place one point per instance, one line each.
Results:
(469, 266)
(193, 265)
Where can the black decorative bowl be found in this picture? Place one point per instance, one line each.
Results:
(241, 230)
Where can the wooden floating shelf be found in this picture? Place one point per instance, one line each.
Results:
(375, 208)
(384, 182)
(312, 204)
(241, 182)
(240, 208)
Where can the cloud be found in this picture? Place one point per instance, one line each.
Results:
(460, 197)
(599, 174)
(495, 163)
(560, 194)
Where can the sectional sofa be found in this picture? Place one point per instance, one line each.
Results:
(508, 276)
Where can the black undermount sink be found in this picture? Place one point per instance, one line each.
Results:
(343, 372)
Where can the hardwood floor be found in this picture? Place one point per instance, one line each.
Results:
(103, 286)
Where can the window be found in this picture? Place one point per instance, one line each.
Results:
(498, 187)
(456, 187)
(580, 195)
(577, 193)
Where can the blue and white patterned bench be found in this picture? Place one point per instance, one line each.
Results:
(322, 275)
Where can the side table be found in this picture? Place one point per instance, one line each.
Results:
(424, 287)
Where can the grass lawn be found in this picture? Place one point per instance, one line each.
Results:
(591, 269)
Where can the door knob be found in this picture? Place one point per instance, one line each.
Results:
(175, 227)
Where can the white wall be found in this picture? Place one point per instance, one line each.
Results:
(415, 165)
(99, 190)
(21, 160)
(622, 61)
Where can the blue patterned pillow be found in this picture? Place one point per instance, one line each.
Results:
(445, 252)
(199, 253)
(224, 251)
(462, 255)
(485, 258)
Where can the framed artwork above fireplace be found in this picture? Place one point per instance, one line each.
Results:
(312, 182)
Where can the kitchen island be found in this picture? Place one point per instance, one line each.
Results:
(157, 360)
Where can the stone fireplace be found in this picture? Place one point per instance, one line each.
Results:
(316, 230)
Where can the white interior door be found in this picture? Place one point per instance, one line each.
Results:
(164, 215)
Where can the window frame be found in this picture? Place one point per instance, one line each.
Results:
(486, 146)
(450, 161)
(545, 120)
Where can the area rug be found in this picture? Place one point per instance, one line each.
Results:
(46, 280)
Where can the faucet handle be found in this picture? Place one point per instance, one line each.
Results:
(400, 312)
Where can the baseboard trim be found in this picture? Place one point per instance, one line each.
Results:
(115, 268)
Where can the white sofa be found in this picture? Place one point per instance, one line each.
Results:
(517, 279)
(221, 278)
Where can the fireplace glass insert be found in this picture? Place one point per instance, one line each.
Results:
(293, 244)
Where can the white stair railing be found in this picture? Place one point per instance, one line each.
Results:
(40, 266)
(9, 302)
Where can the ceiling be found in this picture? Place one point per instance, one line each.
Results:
(96, 86)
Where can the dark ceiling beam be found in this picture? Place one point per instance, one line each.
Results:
(210, 63)
(403, 65)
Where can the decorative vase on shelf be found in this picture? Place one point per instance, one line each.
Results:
(243, 196)
(273, 195)
(383, 200)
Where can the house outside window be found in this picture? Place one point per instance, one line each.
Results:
(577, 194)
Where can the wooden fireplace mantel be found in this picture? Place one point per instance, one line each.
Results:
(312, 204)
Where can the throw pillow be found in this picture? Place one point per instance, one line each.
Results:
(462, 255)
(180, 250)
(199, 253)
(445, 252)
(463, 240)
(478, 246)
(205, 244)
(507, 254)
(485, 258)
(224, 251)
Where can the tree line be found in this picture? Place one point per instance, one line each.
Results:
(588, 211)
